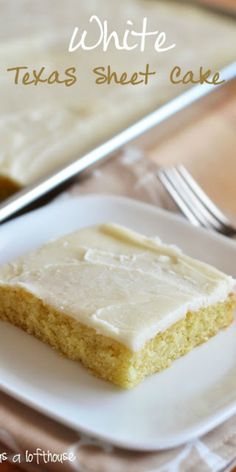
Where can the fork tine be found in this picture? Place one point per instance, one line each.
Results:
(189, 198)
(198, 209)
(167, 182)
(187, 201)
(207, 219)
(203, 197)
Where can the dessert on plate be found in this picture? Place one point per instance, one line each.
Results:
(123, 304)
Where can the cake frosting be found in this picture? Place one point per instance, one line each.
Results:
(124, 285)
(45, 126)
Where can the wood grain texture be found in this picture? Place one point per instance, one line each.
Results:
(206, 146)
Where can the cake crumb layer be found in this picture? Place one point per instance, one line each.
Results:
(105, 357)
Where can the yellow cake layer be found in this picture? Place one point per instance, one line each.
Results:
(104, 356)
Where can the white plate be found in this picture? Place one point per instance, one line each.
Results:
(196, 394)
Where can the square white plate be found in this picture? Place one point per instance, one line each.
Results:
(196, 394)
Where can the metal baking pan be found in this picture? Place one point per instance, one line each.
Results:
(169, 115)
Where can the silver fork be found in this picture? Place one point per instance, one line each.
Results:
(193, 202)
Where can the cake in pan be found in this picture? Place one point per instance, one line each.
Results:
(44, 127)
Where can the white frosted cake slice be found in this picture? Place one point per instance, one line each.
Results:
(123, 304)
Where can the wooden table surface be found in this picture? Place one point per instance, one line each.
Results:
(230, 4)
(205, 143)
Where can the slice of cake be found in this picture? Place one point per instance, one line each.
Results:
(123, 304)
